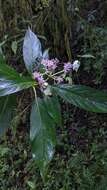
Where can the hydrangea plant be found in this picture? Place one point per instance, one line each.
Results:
(49, 79)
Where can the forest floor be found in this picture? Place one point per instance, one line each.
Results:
(80, 160)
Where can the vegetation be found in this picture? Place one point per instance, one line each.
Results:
(72, 30)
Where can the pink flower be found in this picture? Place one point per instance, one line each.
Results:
(59, 79)
(39, 78)
(67, 67)
(50, 65)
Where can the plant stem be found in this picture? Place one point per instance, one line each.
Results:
(35, 92)
(36, 99)
(57, 73)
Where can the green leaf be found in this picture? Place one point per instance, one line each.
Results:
(31, 50)
(11, 81)
(53, 108)
(14, 47)
(46, 54)
(42, 135)
(7, 109)
(84, 97)
(87, 56)
(31, 184)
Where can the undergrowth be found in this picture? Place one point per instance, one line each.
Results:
(75, 28)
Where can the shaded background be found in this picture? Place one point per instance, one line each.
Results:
(71, 29)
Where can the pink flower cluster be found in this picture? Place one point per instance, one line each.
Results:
(67, 67)
(39, 78)
(59, 79)
(50, 65)
(50, 69)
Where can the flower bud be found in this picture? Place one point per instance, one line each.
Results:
(76, 65)
(45, 84)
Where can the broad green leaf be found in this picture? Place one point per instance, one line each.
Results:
(31, 50)
(11, 81)
(7, 110)
(42, 135)
(53, 108)
(84, 97)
